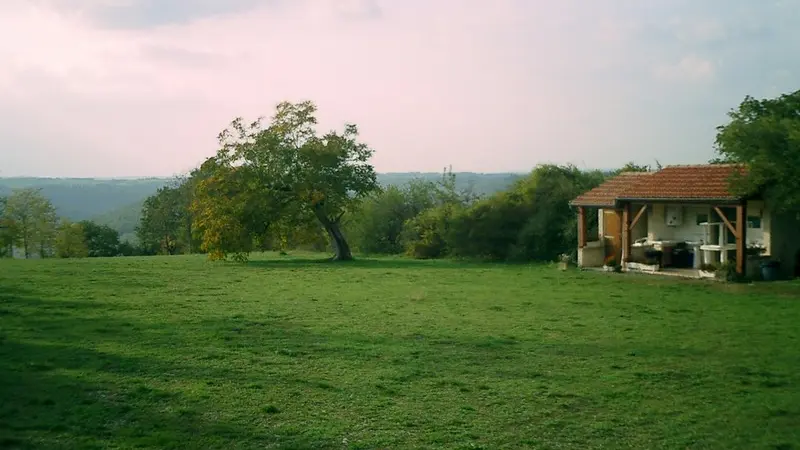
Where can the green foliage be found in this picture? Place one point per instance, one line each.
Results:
(6, 231)
(425, 236)
(385, 223)
(377, 226)
(531, 221)
(281, 173)
(124, 219)
(71, 240)
(101, 240)
(118, 203)
(296, 353)
(764, 135)
(165, 226)
(633, 167)
(31, 221)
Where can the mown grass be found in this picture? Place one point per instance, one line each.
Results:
(388, 353)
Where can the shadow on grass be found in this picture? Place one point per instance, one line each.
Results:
(58, 391)
(47, 404)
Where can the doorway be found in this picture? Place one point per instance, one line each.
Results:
(612, 232)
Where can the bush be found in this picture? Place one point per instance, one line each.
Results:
(424, 236)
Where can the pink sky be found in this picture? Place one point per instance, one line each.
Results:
(142, 87)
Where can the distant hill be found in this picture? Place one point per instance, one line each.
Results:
(118, 202)
(85, 198)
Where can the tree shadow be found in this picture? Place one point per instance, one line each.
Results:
(57, 397)
(59, 390)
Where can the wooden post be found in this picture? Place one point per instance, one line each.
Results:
(626, 233)
(581, 227)
(741, 238)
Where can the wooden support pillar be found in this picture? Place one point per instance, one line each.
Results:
(581, 227)
(741, 238)
(626, 234)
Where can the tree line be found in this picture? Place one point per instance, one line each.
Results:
(281, 185)
(29, 224)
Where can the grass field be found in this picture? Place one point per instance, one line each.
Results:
(291, 353)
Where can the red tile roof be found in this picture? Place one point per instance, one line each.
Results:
(607, 193)
(699, 182)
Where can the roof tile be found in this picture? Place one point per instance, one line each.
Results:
(606, 194)
(706, 182)
(695, 182)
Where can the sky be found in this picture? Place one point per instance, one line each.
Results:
(112, 88)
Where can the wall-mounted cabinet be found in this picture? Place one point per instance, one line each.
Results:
(673, 215)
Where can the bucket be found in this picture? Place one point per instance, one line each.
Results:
(770, 270)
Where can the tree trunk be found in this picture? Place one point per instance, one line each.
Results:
(340, 247)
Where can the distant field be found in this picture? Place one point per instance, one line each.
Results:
(290, 353)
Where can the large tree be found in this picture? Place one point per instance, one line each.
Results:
(34, 221)
(764, 135)
(284, 172)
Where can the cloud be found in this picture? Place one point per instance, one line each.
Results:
(142, 87)
(690, 68)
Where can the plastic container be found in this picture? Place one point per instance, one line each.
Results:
(770, 270)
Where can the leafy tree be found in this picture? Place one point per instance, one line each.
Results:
(71, 240)
(101, 240)
(764, 135)
(530, 221)
(166, 224)
(127, 249)
(34, 221)
(633, 167)
(7, 231)
(282, 173)
(427, 234)
(378, 224)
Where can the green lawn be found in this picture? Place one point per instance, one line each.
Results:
(389, 353)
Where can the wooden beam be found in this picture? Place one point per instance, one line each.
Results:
(626, 234)
(581, 227)
(727, 222)
(638, 216)
(741, 239)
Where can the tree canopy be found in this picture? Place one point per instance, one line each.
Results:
(31, 222)
(165, 224)
(282, 173)
(765, 136)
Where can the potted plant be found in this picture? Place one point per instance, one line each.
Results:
(708, 271)
(727, 271)
(564, 261)
(610, 264)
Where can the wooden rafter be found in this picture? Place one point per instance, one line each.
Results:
(727, 222)
(638, 216)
